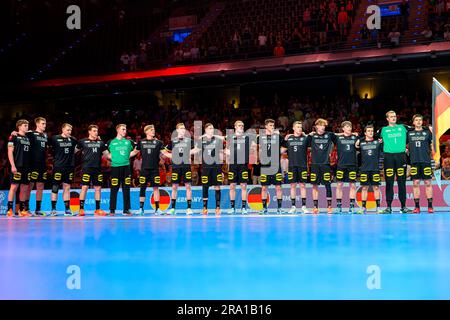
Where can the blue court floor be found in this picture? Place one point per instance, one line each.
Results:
(230, 257)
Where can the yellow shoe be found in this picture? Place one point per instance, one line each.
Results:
(205, 211)
(217, 211)
(10, 213)
(315, 211)
(81, 213)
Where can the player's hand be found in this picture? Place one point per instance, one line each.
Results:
(355, 134)
(13, 169)
(380, 140)
(287, 136)
(14, 133)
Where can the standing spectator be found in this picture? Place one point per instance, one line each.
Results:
(262, 41)
(236, 41)
(394, 37)
(278, 51)
(125, 59)
(133, 61)
(404, 11)
(343, 22)
(427, 34)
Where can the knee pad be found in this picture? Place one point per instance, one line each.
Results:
(55, 188)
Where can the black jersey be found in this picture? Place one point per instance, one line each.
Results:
(181, 149)
(150, 152)
(370, 155)
(321, 145)
(297, 148)
(92, 151)
(419, 146)
(22, 150)
(64, 150)
(39, 143)
(211, 149)
(269, 148)
(239, 146)
(346, 151)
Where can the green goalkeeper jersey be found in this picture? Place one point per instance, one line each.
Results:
(394, 138)
(120, 150)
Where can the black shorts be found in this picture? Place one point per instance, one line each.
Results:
(370, 178)
(395, 164)
(238, 173)
(93, 175)
(297, 174)
(346, 174)
(120, 175)
(268, 179)
(20, 177)
(320, 174)
(150, 176)
(181, 172)
(421, 171)
(38, 174)
(212, 176)
(63, 175)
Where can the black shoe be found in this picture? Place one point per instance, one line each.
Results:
(405, 210)
(388, 210)
(112, 212)
(127, 213)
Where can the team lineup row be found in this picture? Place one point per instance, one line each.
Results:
(27, 156)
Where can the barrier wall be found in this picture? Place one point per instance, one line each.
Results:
(441, 198)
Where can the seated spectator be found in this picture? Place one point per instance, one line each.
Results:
(447, 34)
(278, 51)
(195, 53)
(427, 34)
(125, 59)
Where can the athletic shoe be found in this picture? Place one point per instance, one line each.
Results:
(112, 213)
(351, 210)
(338, 210)
(386, 211)
(158, 212)
(330, 210)
(315, 211)
(416, 210)
(232, 211)
(430, 210)
(99, 212)
(244, 210)
(29, 213)
(279, 211)
(81, 213)
(405, 210)
(10, 213)
(140, 212)
(362, 211)
(292, 210)
(40, 214)
(188, 211)
(217, 212)
(205, 211)
(24, 213)
(172, 212)
(53, 213)
(305, 210)
(263, 211)
(127, 213)
(69, 213)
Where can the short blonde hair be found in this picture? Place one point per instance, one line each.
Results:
(321, 122)
(390, 112)
(238, 122)
(180, 124)
(297, 122)
(66, 125)
(21, 122)
(346, 123)
(150, 126)
(120, 125)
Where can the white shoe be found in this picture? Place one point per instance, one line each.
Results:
(232, 211)
(292, 210)
(189, 211)
(158, 212)
(140, 212)
(244, 210)
(305, 210)
(279, 211)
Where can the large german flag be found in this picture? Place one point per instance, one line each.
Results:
(440, 114)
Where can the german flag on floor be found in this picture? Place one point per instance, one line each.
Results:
(440, 115)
